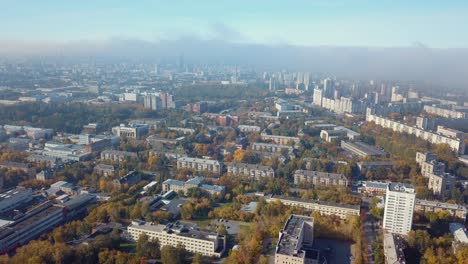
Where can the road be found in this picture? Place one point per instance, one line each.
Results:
(371, 231)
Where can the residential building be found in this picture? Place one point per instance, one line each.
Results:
(173, 234)
(447, 111)
(432, 167)
(274, 148)
(253, 170)
(14, 198)
(116, 155)
(152, 101)
(324, 208)
(399, 207)
(200, 165)
(460, 235)
(42, 159)
(442, 184)
(104, 170)
(319, 178)
(361, 149)
(455, 210)
(282, 140)
(456, 144)
(247, 129)
(295, 242)
(422, 157)
(129, 179)
(195, 182)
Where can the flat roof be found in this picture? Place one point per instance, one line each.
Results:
(288, 243)
(296, 199)
(401, 187)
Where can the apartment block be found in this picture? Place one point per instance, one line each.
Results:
(436, 206)
(295, 242)
(282, 140)
(200, 165)
(253, 170)
(274, 148)
(399, 208)
(324, 208)
(173, 234)
(247, 129)
(117, 155)
(319, 178)
(393, 249)
(442, 184)
(455, 144)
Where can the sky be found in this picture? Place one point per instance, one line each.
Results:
(362, 23)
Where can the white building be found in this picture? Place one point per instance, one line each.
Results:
(173, 234)
(399, 208)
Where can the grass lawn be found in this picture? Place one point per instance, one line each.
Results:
(202, 223)
(127, 247)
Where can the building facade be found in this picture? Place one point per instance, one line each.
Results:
(319, 178)
(200, 165)
(173, 234)
(253, 170)
(399, 207)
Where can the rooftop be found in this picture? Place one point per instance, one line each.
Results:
(180, 229)
(400, 187)
(296, 199)
(459, 232)
(289, 243)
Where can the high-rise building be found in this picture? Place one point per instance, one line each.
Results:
(152, 102)
(166, 99)
(399, 208)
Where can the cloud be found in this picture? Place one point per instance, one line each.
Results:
(222, 31)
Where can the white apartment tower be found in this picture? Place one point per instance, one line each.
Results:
(399, 208)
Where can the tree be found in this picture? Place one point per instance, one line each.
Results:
(222, 230)
(172, 255)
(147, 247)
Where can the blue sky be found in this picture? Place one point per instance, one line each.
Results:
(440, 24)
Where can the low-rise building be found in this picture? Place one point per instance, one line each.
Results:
(374, 165)
(282, 140)
(173, 234)
(42, 159)
(36, 221)
(247, 129)
(104, 170)
(129, 179)
(131, 131)
(274, 148)
(455, 210)
(195, 182)
(319, 178)
(373, 188)
(253, 170)
(393, 246)
(117, 155)
(442, 184)
(66, 152)
(361, 149)
(295, 242)
(460, 235)
(14, 198)
(200, 165)
(324, 208)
